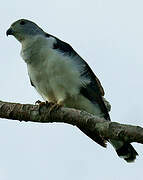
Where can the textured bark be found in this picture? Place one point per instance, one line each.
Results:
(106, 129)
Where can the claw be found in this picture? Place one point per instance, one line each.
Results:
(41, 105)
(55, 107)
(38, 102)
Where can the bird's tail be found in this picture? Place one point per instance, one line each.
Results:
(124, 150)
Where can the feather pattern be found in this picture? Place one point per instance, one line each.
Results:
(93, 90)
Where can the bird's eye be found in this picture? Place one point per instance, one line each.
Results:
(22, 22)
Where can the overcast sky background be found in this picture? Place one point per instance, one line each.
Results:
(108, 34)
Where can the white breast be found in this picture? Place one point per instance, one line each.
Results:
(55, 75)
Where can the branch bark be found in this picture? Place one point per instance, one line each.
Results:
(106, 129)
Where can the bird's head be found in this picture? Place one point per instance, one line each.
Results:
(23, 29)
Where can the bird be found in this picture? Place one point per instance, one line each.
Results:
(61, 76)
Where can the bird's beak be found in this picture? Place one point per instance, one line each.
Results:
(9, 32)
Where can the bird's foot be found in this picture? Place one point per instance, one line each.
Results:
(41, 105)
(54, 107)
(38, 102)
(51, 105)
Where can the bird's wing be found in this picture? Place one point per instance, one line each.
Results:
(92, 91)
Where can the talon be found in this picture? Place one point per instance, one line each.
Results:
(49, 103)
(41, 105)
(38, 102)
(55, 107)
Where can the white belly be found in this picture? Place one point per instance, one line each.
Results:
(56, 77)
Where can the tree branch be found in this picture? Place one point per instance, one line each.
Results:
(106, 129)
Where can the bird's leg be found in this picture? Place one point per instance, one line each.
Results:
(38, 102)
(42, 104)
(53, 106)
(56, 106)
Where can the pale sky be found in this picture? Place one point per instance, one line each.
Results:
(108, 34)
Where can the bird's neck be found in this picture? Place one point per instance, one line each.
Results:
(34, 49)
(28, 42)
(30, 48)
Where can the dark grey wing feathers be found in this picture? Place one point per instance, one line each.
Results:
(93, 91)
(62, 46)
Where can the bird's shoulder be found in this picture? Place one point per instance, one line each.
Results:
(67, 49)
(61, 46)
